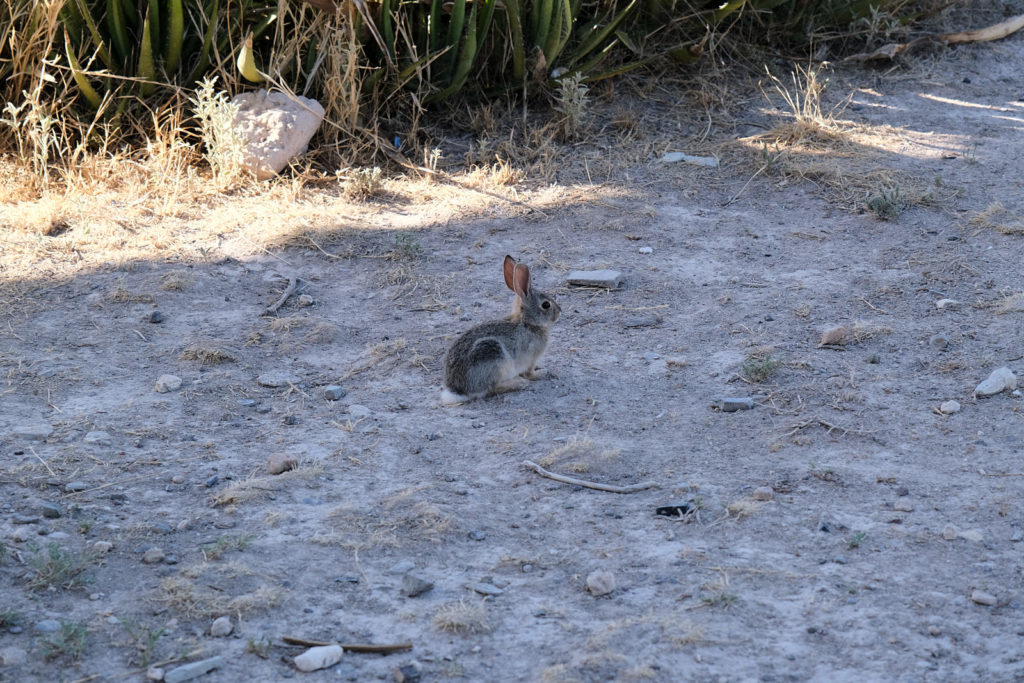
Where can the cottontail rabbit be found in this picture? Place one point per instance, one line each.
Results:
(486, 357)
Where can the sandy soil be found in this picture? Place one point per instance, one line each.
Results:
(836, 531)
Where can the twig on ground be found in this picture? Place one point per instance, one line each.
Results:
(350, 647)
(293, 284)
(633, 488)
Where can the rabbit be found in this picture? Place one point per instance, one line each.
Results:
(487, 357)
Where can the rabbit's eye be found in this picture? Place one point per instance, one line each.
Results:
(546, 305)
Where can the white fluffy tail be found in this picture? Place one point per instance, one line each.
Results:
(450, 398)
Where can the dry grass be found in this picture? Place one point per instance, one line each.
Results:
(402, 519)
(207, 599)
(466, 618)
(259, 488)
(1010, 303)
(579, 455)
(997, 217)
(176, 280)
(208, 354)
(744, 507)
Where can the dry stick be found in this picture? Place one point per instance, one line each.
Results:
(293, 284)
(633, 488)
(350, 647)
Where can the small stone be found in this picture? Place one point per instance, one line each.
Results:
(51, 510)
(192, 670)
(645, 250)
(263, 410)
(402, 567)
(155, 673)
(1001, 379)
(934, 630)
(23, 533)
(1017, 536)
(12, 656)
(154, 317)
(477, 535)
(97, 438)
(32, 432)
(167, 383)
(950, 532)
(290, 420)
(527, 568)
(305, 301)
(24, 519)
(600, 583)
(357, 411)
(75, 486)
(277, 378)
(47, 626)
(651, 356)
(609, 279)
(763, 493)
(153, 556)
(1016, 393)
(408, 673)
(902, 491)
(221, 627)
(484, 588)
(413, 585)
(947, 305)
(57, 535)
(281, 462)
(212, 481)
(15, 630)
(731, 405)
(246, 402)
(903, 507)
(983, 598)
(972, 535)
(949, 407)
(316, 658)
(939, 341)
(333, 392)
(178, 479)
(836, 336)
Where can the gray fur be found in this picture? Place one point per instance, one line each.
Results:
(488, 356)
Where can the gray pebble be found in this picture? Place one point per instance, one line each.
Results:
(983, 598)
(155, 317)
(246, 402)
(47, 626)
(650, 355)
(97, 438)
(413, 585)
(334, 392)
(33, 432)
(731, 405)
(305, 300)
(212, 481)
(402, 567)
(358, 411)
(477, 534)
(192, 670)
(277, 378)
(486, 588)
(290, 420)
(408, 673)
(75, 486)
(24, 519)
(939, 341)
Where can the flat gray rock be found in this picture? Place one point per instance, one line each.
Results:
(277, 378)
(187, 672)
(37, 431)
(609, 279)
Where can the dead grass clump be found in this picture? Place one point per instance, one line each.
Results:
(579, 455)
(997, 217)
(176, 280)
(287, 323)
(401, 519)
(199, 599)
(744, 507)
(120, 295)
(258, 488)
(462, 617)
(803, 99)
(207, 355)
(1011, 303)
(321, 333)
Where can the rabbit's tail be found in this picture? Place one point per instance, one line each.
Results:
(450, 398)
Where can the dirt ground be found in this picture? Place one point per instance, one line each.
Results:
(842, 529)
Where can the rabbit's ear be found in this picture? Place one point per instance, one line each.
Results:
(522, 281)
(509, 268)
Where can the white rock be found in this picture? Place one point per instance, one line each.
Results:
(277, 378)
(38, 431)
(600, 583)
(983, 598)
(22, 534)
(318, 658)
(673, 157)
(12, 656)
(645, 250)
(98, 438)
(609, 279)
(357, 411)
(166, 383)
(950, 533)
(221, 626)
(155, 673)
(763, 493)
(277, 128)
(1001, 379)
(947, 304)
(102, 546)
(972, 535)
(949, 407)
